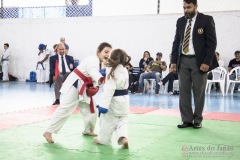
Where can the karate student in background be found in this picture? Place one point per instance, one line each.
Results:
(114, 104)
(78, 90)
(42, 64)
(5, 62)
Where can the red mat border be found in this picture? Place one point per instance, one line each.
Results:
(18, 118)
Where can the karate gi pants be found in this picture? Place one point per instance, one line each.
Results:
(41, 75)
(110, 123)
(69, 102)
(5, 70)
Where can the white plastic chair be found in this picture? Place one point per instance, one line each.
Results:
(152, 83)
(219, 75)
(235, 71)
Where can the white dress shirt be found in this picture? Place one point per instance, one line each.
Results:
(191, 48)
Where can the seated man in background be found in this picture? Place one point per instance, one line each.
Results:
(232, 64)
(153, 71)
(172, 75)
(60, 67)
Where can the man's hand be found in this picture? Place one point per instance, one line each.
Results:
(149, 71)
(173, 67)
(204, 67)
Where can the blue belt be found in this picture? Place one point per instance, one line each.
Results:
(120, 92)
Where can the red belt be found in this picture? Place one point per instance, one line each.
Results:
(87, 82)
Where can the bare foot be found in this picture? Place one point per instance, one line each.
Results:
(48, 137)
(90, 134)
(124, 143)
(96, 141)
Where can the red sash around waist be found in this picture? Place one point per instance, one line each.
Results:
(87, 82)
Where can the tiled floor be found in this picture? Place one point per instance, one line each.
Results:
(15, 96)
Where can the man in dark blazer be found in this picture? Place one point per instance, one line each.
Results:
(193, 55)
(60, 67)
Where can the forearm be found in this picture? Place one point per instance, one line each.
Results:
(45, 58)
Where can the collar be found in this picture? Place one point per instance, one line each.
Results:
(194, 18)
(59, 55)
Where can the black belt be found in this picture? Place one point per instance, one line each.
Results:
(188, 56)
(120, 92)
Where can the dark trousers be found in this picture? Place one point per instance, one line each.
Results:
(170, 79)
(191, 80)
(58, 84)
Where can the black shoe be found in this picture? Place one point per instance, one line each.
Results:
(197, 125)
(139, 92)
(185, 125)
(235, 90)
(212, 87)
(56, 102)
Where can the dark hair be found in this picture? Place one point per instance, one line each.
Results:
(118, 56)
(147, 53)
(217, 53)
(236, 52)
(54, 46)
(191, 1)
(6, 44)
(102, 46)
(159, 53)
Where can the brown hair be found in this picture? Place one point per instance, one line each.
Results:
(102, 46)
(147, 53)
(217, 53)
(118, 56)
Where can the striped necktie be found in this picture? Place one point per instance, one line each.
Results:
(187, 37)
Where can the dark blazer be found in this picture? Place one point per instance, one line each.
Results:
(204, 40)
(53, 60)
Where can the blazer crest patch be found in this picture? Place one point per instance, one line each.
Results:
(200, 31)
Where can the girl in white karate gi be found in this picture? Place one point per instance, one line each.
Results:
(76, 93)
(41, 64)
(114, 105)
(5, 62)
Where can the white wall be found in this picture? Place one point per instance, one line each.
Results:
(135, 34)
